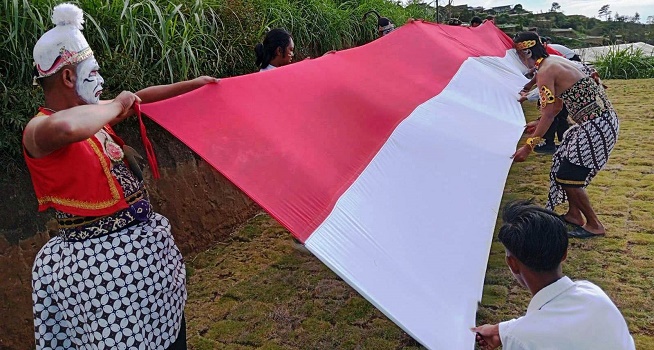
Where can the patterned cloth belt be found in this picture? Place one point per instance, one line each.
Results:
(79, 228)
(590, 112)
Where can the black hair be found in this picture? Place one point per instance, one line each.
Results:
(381, 21)
(266, 51)
(475, 20)
(37, 79)
(538, 50)
(534, 235)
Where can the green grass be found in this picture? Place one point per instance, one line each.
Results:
(257, 291)
(263, 293)
(622, 262)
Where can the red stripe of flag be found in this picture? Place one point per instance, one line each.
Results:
(295, 138)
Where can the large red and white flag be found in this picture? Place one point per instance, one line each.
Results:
(387, 160)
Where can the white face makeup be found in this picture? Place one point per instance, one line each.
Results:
(89, 81)
(524, 57)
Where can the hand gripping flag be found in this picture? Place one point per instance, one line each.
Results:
(387, 160)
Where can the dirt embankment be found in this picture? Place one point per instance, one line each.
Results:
(203, 206)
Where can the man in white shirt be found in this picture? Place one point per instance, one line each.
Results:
(562, 314)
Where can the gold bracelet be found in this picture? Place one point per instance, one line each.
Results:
(534, 141)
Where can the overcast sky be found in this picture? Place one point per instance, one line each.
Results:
(587, 8)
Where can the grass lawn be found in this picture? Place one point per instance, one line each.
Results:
(257, 291)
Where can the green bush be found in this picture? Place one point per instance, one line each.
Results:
(627, 63)
(146, 42)
(15, 102)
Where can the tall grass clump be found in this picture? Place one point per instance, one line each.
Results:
(144, 42)
(627, 63)
(21, 24)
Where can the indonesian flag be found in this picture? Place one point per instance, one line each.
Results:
(387, 160)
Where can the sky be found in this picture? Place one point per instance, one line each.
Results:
(587, 8)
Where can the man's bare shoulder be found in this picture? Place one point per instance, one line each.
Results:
(551, 65)
(28, 135)
(33, 123)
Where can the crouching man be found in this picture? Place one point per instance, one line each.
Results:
(563, 314)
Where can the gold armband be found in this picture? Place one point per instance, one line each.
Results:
(534, 141)
(546, 96)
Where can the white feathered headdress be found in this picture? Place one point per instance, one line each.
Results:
(62, 45)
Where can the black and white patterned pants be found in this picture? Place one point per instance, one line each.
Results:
(587, 145)
(125, 290)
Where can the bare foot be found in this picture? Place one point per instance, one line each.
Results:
(577, 220)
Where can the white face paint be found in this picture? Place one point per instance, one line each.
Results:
(525, 55)
(89, 81)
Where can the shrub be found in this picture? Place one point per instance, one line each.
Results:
(13, 117)
(627, 63)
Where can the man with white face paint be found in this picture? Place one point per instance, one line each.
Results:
(113, 277)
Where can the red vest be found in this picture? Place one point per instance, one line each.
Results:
(76, 179)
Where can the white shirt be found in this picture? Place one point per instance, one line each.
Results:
(270, 66)
(568, 315)
(533, 96)
(566, 52)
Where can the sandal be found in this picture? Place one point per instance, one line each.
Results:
(581, 232)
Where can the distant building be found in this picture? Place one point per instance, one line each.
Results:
(518, 9)
(564, 32)
(514, 15)
(510, 29)
(502, 9)
(543, 23)
(594, 40)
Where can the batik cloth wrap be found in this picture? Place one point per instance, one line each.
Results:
(113, 282)
(588, 143)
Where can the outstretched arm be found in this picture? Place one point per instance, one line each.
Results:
(44, 135)
(488, 336)
(162, 92)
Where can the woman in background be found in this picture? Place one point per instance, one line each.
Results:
(275, 51)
